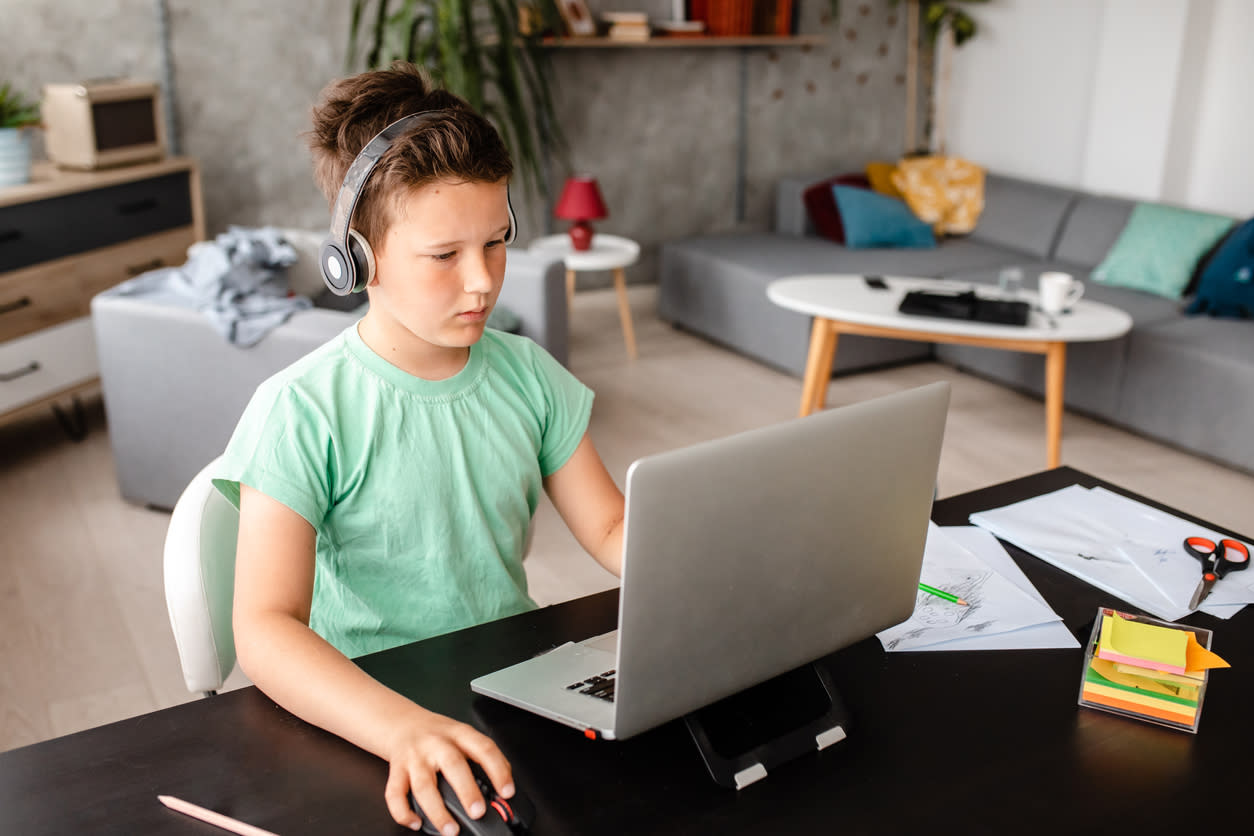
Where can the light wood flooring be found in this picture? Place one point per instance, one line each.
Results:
(84, 635)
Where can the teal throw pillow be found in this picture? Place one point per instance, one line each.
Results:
(871, 219)
(1226, 288)
(1159, 247)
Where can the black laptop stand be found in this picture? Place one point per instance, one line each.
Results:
(744, 736)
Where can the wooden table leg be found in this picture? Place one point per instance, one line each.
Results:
(624, 312)
(818, 365)
(1055, 377)
(570, 291)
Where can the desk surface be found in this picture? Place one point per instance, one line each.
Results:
(992, 739)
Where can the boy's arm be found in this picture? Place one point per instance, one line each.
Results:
(591, 504)
(296, 667)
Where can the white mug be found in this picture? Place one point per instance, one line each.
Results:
(1058, 291)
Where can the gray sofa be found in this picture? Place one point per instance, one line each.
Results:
(1184, 380)
(174, 388)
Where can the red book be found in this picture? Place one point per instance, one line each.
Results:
(783, 17)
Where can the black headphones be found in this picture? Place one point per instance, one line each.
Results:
(346, 260)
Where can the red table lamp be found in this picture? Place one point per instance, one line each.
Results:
(581, 202)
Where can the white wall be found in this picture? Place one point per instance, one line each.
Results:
(1223, 160)
(1145, 99)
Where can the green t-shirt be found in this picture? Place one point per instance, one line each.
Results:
(421, 492)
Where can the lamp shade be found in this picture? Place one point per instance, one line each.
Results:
(581, 200)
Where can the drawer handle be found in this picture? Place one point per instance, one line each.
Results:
(10, 235)
(30, 368)
(137, 206)
(136, 269)
(10, 307)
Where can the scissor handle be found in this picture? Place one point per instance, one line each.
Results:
(1218, 558)
(1235, 555)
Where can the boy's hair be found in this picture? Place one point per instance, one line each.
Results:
(459, 146)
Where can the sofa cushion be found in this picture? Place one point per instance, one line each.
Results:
(871, 219)
(1091, 229)
(880, 176)
(1190, 382)
(1022, 216)
(821, 204)
(1226, 288)
(1159, 247)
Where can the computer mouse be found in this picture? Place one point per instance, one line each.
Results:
(504, 817)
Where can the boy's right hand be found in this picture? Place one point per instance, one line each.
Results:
(428, 744)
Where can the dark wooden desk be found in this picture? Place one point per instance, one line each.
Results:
(985, 742)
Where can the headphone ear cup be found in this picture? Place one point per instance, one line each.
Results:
(363, 259)
(336, 267)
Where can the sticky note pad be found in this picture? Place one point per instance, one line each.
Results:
(1147, 645)
(1135, 666)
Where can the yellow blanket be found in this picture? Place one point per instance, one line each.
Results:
(946, 192)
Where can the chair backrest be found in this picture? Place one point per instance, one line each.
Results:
(200, 580)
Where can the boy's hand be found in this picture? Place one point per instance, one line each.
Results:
(429, 744)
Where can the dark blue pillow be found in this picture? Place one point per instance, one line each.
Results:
(1226, 287)
(871, 219)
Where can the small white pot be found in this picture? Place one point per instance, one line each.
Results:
(14, 156)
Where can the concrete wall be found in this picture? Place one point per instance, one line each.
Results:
(658, 127)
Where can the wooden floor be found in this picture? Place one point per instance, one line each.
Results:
(84, 635)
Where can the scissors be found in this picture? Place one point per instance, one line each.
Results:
(1218, 559)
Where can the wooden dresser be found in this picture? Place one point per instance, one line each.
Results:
(66, 236)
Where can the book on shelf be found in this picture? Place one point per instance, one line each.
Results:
(629, 32)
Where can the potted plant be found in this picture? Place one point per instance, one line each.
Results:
(17, 113)
(476, 49)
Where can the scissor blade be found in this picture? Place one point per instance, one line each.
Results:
(1203, 589)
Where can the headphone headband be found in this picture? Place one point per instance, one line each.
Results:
(346, 259)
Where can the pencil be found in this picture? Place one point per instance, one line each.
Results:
(940, 593)
(216, 819)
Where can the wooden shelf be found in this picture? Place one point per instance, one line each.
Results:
(681, 41)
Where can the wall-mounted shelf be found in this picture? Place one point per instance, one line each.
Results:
(663, 41)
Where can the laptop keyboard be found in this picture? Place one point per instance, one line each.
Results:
(600, 686)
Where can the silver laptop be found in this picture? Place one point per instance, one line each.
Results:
(746, 557)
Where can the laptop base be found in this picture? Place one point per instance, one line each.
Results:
(743, 736)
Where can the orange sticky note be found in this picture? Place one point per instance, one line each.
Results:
(1199, 658)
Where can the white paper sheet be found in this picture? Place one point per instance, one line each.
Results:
(1119, 545)
(1003, 606)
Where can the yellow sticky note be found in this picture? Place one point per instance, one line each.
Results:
(1199, 658)
(1123, 641)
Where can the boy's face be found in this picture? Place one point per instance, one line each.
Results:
(440, 267)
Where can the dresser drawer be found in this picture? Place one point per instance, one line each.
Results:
(55, 227)
(46, 362)
(46, 294)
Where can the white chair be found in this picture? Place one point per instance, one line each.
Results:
(200, 581)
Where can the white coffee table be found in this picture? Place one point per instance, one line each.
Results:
(607, 252)
(846, 304)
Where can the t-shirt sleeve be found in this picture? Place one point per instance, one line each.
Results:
(569, 407)
(280, 447)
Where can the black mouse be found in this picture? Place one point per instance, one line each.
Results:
(504, 817)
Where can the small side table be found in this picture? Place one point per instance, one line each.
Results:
(608, 252)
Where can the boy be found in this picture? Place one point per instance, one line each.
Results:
(386, 481)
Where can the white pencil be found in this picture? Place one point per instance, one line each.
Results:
(216, 819)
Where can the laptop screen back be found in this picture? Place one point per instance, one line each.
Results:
(751, 555)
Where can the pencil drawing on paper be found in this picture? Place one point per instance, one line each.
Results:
(932, 614)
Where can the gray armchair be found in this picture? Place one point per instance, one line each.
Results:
(174, 388)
